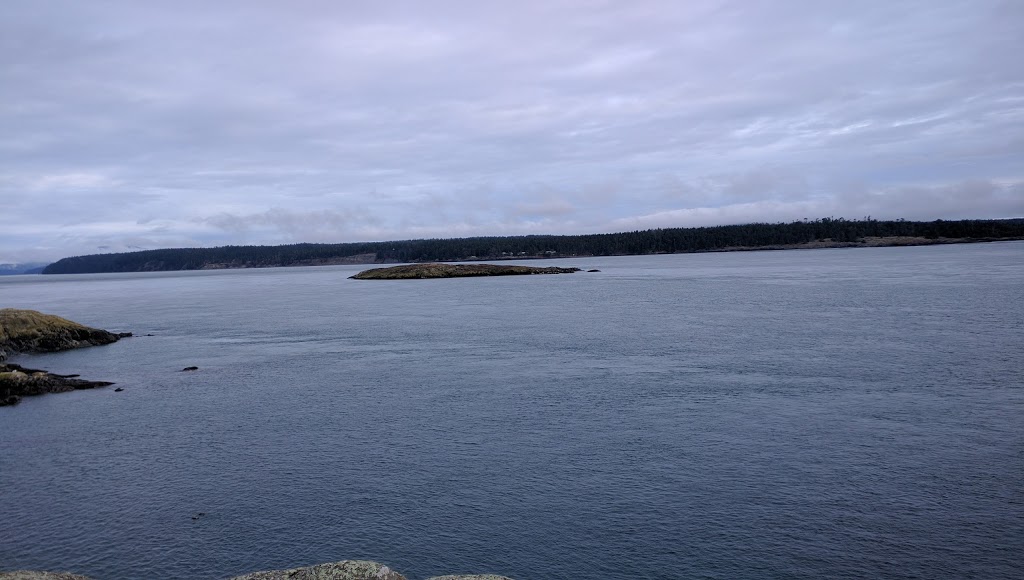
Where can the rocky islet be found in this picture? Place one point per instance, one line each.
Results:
(436, 270)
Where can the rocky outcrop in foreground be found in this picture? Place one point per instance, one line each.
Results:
(28, 331)
(17, 382)
(345, 570)
(419, 271)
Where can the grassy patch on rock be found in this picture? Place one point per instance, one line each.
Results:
(29, 324)
(32, 331)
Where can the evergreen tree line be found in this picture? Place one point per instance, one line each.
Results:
(657, 241)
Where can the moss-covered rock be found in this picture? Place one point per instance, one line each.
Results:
(419, 271)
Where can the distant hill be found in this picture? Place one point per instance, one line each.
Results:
(27, 268)
(819, 233)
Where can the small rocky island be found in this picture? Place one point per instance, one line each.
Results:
(433, 270)
(28, 331)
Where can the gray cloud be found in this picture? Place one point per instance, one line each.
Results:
(283, 225)
(154, 124)
(979, 199)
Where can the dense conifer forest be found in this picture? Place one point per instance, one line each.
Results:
(826, 232)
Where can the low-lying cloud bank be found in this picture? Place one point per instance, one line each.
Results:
(569, 215)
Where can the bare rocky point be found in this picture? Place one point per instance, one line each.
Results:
(420, 271)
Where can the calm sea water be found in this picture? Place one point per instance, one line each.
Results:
(802, 414)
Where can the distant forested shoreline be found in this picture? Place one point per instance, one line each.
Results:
(827, 232)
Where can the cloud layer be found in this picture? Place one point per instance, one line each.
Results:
(139, 125)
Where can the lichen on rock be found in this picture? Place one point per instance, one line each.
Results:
(344, 570)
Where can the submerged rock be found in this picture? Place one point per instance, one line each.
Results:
(345, 570)
(420, 271)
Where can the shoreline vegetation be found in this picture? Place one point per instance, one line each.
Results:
(434, 270)
(30, 332)
(821, 233)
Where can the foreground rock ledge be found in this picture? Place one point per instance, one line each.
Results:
(28, 331)
(345, 570)
(17, 382)
(419, 271)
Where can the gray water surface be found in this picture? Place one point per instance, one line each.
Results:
(800, 414)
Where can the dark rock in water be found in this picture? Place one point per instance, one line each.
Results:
(118, 390)
(594, 270)
(345, 570)
(189, 369)
(198, 515)
(420, 271)
(124, 335)
(28, 331)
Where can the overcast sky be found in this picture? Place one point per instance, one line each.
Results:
(138, 125)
